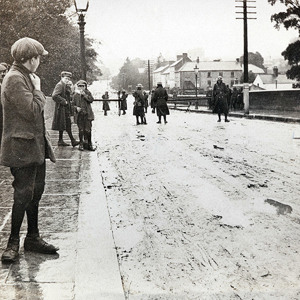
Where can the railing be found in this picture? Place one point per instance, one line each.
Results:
(190, 101)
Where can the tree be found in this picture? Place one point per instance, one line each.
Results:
(289, 19)
(251, 77)
(131, 73)
(46, 21)
(255, 59)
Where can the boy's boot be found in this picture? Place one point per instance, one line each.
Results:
(90, 145)
(34, 243)
(11, 252)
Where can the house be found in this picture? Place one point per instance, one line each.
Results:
(273, 82)
(208, 71)
(158, 76)
(173, 80)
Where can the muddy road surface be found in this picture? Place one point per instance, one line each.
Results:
(200, 209)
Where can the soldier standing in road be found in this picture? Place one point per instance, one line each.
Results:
(160, 98)
(105, 105)
(63, 110)
(146, 101)
(219, 99)
(139, 104)
(82, 100)
(152, 104)
(124, 102)
(25, 145)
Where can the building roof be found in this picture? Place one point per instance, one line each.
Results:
(270, 79)
(211, 66)
(254, 69)
(176, 62)
(166, 71)
(161, 69)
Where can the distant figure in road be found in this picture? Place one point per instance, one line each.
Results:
(124, 102)
(229, 96)
(219, 99)
(138, 105)
(105, 105)
(82, 100)
(234, 96)
(160, 98)
(25, 145)
(152, 104)
(63, 109)
(240, 101)
(146, 101)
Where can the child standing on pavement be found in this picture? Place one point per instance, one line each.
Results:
(82, 100)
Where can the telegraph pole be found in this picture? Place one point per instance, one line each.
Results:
(245, 18)
(149, 81)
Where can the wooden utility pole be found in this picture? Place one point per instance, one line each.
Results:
(245, 18)
(149, 80)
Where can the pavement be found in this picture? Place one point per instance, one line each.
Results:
(73, 216)
(268, 115)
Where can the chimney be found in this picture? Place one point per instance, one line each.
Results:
(275, 71)
(198, 60)
(185, 57)
(178, 57)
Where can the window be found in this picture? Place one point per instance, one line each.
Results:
(221, 74)
(208, 74)
(232, 74)
(209, 82)
(231, 82)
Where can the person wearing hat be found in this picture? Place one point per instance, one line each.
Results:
(123, 99)
(25, 145)
(63, 109)
(160, 98)
(82, 100)
(105, 105)
(139, 104)
(219, 99)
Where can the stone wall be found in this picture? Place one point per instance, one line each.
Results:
(284, 100)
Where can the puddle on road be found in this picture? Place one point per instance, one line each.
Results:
(282, 209)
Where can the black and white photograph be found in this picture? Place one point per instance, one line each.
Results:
(150, 150)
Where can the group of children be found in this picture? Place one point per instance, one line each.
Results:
(73, 100)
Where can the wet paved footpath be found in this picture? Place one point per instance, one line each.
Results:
(74, 217)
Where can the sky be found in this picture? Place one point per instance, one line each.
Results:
(205, 28)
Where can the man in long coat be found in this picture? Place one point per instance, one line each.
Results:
(138, 105)
(62, 112)
(25, 145)
(219, 99)
(123, 100)
(160, 98)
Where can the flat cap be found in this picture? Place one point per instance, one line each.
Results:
(66, 74)
(26, 48)
(81, 82)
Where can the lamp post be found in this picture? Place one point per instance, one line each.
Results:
(196, 69)
(81, 9)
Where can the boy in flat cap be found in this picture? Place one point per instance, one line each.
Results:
(62, 113)
(25, 145)
(82, 100)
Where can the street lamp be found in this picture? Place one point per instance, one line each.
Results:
(196, 69)
(81, 9)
